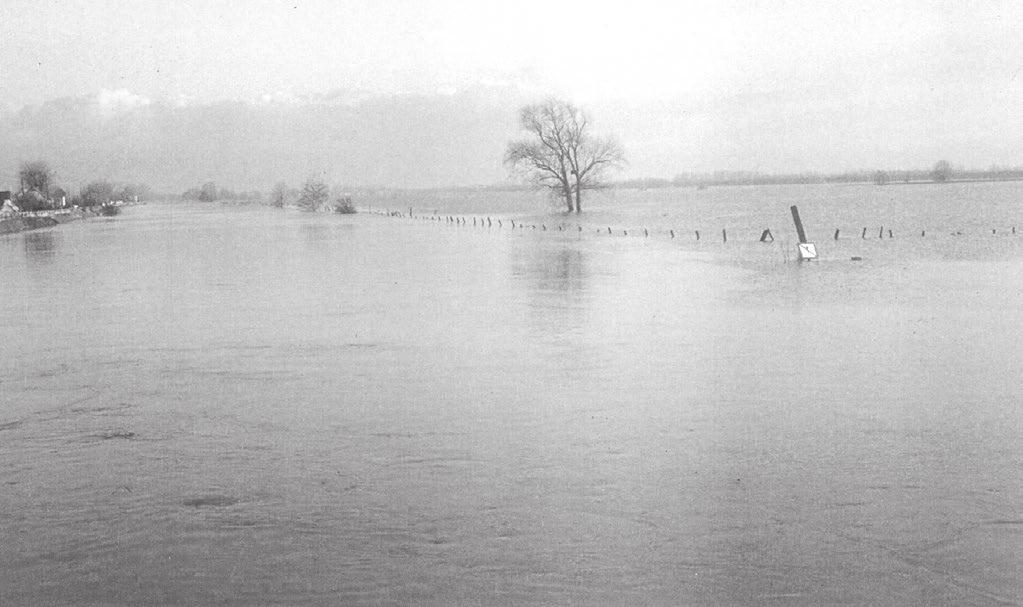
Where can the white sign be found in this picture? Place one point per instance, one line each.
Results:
(807, 250)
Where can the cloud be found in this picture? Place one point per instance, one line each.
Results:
(119, 101)
(282, 97)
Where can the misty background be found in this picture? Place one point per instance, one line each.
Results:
(403, 95)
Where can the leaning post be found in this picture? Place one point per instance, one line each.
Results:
(807, 250)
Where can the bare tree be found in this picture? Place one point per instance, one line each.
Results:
(589, 157)
(314, 194)
(279, 194)
(96, 193)
(942, 171)
(560, 154)
(36, 175)
(208, 192)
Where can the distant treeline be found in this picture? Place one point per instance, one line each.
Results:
(942, 171)
(208, 192)
(314, 195)
(38, 191)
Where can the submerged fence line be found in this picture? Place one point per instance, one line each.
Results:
(671, 233)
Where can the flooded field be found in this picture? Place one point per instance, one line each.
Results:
(239, 405)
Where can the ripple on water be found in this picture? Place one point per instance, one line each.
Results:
(211, 501)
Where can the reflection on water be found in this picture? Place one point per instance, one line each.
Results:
(41, 245)
(560, 268)
(556, 280)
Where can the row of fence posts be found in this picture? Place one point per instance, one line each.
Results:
(765, 236)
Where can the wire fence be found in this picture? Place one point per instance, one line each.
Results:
(723, 235)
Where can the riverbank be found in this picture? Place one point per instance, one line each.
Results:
(45, 219)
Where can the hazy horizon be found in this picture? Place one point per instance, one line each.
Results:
(402, 95)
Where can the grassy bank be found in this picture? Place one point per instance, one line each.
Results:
(45, 219)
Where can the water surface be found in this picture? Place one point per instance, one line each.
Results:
(217, 405)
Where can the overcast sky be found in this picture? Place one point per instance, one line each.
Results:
(777, 85)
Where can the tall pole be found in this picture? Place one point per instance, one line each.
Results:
(799, 224)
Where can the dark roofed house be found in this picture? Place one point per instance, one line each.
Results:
(7, 204)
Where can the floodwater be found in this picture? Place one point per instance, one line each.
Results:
(219, 405)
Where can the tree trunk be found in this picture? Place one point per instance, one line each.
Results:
(568, 197)
(578, 199)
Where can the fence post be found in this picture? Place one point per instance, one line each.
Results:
(799, 223)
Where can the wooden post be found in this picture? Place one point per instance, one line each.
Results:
(889, 233)
(880, 233)
(864, 235)
(697, 234)
(724, 235)
(836, 233)
(672, 233)
(799, 224)
(645, 233)
(807, 250)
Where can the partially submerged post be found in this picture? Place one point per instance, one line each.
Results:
(807, 250)
(799, 223)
